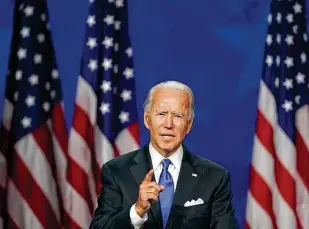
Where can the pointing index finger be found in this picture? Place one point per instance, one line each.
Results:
(148, 176)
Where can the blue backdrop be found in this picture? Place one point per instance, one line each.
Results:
(216, 47)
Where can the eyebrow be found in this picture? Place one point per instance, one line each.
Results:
(173, 112)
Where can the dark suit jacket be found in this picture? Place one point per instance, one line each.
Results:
(122, 176)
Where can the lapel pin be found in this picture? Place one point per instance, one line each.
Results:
(194, 174)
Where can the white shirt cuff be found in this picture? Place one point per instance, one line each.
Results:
(136, 220)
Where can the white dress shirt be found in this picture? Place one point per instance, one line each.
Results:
(174, 168)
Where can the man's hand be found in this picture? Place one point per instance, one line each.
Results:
(148, 194)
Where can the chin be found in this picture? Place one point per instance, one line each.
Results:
(168, 150)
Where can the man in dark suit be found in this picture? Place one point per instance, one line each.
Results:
(163, 185)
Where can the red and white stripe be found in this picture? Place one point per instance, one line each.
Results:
(278, 195)
(88, 150)
(37, 181)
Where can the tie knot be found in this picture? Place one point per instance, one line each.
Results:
(166, 162)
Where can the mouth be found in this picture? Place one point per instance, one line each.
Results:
(167, 136)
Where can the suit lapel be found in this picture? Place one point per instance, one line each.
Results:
(185, 184)
(139, 171)
(142, 166)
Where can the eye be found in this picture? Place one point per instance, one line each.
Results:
(161, 114)
(178, 116)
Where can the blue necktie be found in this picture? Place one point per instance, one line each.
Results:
(166, 196)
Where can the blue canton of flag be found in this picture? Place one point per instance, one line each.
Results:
(33, 85)
(286, 69)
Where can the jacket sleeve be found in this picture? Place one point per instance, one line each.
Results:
(110, 214)
(222, 216)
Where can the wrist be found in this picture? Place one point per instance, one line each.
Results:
(139, 210)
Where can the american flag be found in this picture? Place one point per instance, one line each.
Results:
(105, 122)
(33, 133)
(278, 195)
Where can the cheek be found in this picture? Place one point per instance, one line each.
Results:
(182, 129)
(154, 126)
(157, 122)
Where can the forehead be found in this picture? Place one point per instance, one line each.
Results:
(175, 98)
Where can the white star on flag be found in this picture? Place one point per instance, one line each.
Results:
(55, 74)
(119, 3)
(33, 79)
(297, 8)
(289, 18)
(115, 69)
(297, 99)
(300, 78)
(18, 75)
(287, 105)
(25, 32)
(29, 11)
(93, 65)
(116, 47)
(107, 64)
(22, 53)
(16, 96)
(278, 60)
(288, 83)
(41, 38)
(277, 82)
(92, 42)
(117, 25)
(269, 60)
(269, 39)
(108, 42)
(109, 19)
(278, 18)
(128, 73)
(295, 29)
(26, 122)
(37, 58)
(289, 39)
(278, 38)
(91, 20)
(43, 17)
(126, 95)
(289, 62)
(129, 52)
(106, 86)
(303, 57)
(269, 18)
(46, 106)
(52, 94)
(124, 116)
(104, 108)
(30, 100)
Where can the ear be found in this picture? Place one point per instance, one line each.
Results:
(189, 126)
(146, 119)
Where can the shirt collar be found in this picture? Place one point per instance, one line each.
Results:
(175, 158)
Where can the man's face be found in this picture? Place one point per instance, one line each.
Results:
(168, 119)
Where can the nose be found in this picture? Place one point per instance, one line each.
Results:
(168, 122)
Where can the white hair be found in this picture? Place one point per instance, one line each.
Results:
(171, 85)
